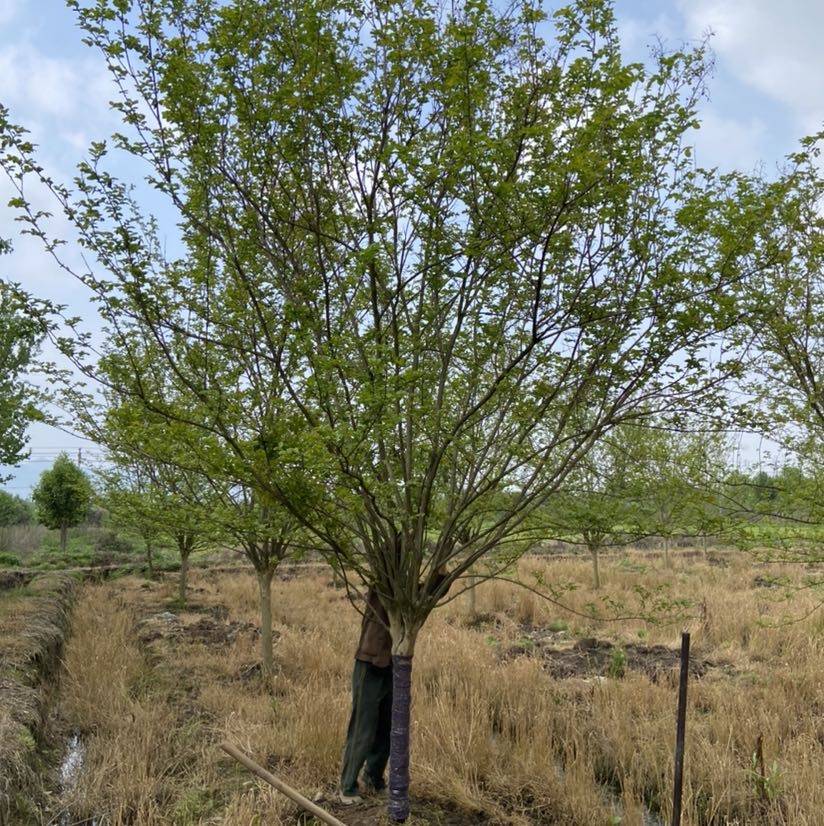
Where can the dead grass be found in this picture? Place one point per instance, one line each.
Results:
(496, 737)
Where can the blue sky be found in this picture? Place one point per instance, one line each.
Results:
(767, 91)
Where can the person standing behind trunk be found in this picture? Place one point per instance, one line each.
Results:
(370, 723)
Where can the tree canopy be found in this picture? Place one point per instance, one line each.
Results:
(19, 336)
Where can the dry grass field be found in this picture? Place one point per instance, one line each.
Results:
(522, 715)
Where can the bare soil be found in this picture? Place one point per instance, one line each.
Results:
(373, 812)
(591, 657)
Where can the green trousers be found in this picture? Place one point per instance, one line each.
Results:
(367, 739)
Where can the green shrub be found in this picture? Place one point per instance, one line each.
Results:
(618, 663)
(8, 560)
(110, 545)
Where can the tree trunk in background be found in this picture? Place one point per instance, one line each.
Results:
(64, 537)
(184, 577)
(666, 552)
(471, 596)
(704, 543)
(596, 574)
(264, 579)
(150, 557)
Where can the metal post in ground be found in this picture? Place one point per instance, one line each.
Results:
(680, 730)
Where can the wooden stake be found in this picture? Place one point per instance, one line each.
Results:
(680, 730)
(298, 798)
(762, 769)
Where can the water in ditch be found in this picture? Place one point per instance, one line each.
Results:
(70, 768)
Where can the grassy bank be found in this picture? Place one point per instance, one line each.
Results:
(34, 622)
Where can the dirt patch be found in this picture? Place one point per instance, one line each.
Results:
(768, 582)
(13, 579)
(372, 812)
(590, 657)
(212, 627)
(718, 561)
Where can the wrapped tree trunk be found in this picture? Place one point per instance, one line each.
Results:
(403, 647)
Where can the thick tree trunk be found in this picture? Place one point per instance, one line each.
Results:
(64, 537)
(399, 749)
(596, 574)
(403, 648)
(264, 579)
(183, 582)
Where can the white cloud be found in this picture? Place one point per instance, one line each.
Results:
(35, 83)
(8, 10)
(639, 34)
(728, 142)
(772, 47)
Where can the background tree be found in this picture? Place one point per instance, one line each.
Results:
(679, 486)
(785, 314)
(459, 254)
(786, 293)
(266, 535)
(14, 510)
(711, 510)
(129, 497)
(62, 497)
(174, 502)
(599, 502)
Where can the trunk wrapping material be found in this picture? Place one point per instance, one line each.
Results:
(399, 748)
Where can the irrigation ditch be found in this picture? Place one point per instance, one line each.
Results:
(34, 624)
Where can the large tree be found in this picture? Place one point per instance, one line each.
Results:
(785, 379)
(786, 296)
(19, 337)
(450, 255)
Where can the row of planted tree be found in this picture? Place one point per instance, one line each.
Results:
(415, 272)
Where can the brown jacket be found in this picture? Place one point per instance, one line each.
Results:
(375, 644)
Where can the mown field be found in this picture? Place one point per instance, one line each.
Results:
(523, 714)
